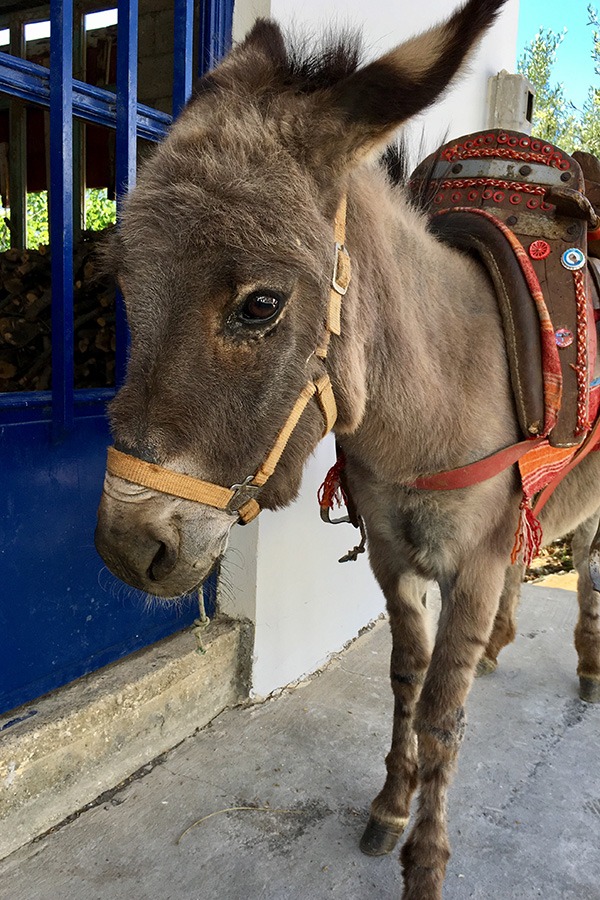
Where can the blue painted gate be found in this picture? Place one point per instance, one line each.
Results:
(62, 614)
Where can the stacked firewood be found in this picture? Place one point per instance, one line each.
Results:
(25, 319)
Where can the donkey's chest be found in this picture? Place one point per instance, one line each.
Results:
(427, 532)
(424, 534)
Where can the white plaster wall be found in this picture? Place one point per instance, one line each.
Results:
(308, 604)
(282, 571)
(245, 12)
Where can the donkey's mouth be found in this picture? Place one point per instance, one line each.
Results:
(160, 546)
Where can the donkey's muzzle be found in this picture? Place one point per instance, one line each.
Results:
(142, 554)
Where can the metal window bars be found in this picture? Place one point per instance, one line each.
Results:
(66, 97)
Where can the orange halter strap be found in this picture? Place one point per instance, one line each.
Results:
(240, 499)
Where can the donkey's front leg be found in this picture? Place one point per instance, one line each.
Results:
(409, 661)
(469, 603)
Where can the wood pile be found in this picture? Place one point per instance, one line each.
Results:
(25, 319)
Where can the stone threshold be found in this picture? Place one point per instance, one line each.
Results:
(63, 751)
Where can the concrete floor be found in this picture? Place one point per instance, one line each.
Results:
(524, 808)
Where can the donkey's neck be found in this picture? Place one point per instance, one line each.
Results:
(423, 343)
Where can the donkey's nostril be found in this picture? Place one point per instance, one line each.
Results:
(165, 560)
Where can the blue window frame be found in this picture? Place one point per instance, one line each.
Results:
(52, 443)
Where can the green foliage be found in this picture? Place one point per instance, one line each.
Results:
(590, 120)
(37, 219)
(4, 235)
(99, 213)
(556, 118)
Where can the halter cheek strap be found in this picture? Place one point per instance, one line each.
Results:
(240, 499)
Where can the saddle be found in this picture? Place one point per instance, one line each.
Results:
(530, 213)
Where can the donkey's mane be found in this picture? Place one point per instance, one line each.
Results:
(307, 71)
(296, 63)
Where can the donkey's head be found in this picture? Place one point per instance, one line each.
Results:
(224, 255)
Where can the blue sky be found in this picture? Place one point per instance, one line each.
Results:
(574, 66)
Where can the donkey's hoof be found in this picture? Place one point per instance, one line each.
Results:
(589, 689)
(486, 666)
(380, 839)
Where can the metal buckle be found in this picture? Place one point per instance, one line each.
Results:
(338, 288)
(325, 515)
(241, 494)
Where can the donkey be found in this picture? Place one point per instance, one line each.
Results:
(224, 256)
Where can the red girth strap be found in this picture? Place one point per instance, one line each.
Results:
(479, 471)
(476, 472)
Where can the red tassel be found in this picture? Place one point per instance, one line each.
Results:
(528, 536)
(331, 491)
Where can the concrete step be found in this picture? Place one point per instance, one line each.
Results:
(66, 749)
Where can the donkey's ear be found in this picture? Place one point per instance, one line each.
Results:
(251, 66)
(376, 99)
(265, 37)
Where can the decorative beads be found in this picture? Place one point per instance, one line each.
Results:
(539, 249)
(573, 259)
(520, 186)
(508, 146)
(563, 337)
(581, 369)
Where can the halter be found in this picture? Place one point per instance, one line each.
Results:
(240, 499)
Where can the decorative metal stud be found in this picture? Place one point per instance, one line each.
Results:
(563, 337)
(573, 259)
(539, 249)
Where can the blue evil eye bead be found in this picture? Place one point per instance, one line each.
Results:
(573, 259)
(563, 337)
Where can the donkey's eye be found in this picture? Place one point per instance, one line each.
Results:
(260, 306)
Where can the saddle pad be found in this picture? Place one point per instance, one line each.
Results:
(518, 203)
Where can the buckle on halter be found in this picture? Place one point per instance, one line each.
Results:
(241, 494)
(340, 279)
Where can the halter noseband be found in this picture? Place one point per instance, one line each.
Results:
(240, 499)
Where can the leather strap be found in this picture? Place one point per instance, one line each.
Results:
(166, 480)
(476, 472)
(340, 280)
(187, 487)
(322, 388)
